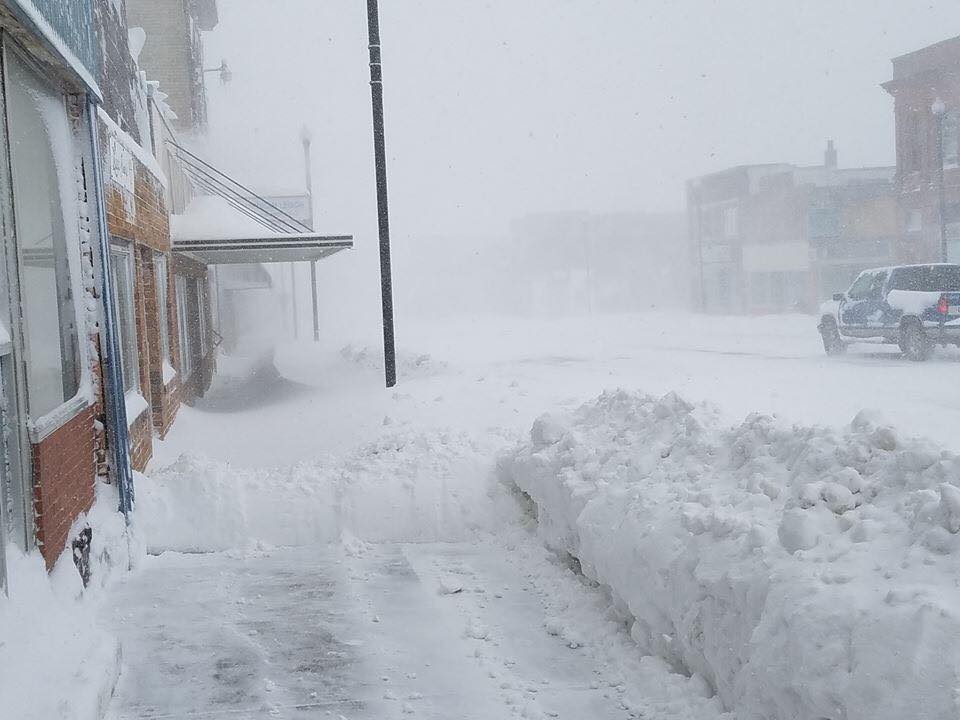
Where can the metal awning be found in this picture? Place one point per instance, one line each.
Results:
(266, 248)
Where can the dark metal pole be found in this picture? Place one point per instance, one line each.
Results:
(380, 152)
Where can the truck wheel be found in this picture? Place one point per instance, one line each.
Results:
(833, 344)
(914, 342)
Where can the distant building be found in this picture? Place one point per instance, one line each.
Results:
(778, 237)
(582, 262)
(926, 92)
(173, 53)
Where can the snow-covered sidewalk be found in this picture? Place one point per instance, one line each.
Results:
(474, 631)
(286, 580)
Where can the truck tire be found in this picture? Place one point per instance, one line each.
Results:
(833, 343)
(914, 343)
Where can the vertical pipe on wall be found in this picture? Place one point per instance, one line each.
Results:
(117, 429)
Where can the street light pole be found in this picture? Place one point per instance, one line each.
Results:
(383, 213)
(305, 138)
(939, 109)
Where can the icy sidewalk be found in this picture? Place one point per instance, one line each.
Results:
(473, 631)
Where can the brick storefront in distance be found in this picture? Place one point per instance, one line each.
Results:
(926, 92)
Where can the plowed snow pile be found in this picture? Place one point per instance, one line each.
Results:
(802, 571)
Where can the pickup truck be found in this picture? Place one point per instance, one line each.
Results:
(914, 306)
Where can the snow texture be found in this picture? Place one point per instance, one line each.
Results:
(408, 486)
(802, 572)
(56, 660)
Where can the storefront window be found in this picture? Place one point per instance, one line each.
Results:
(121, 265)
(42, 165)
(186, 354)
(163, 321)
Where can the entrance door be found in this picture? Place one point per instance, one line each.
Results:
(15, 501)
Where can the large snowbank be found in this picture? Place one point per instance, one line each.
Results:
(803, 572)
(408, 486)
(55, 661)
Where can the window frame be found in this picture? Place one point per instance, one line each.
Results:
(35, 428)
(867, 278)
(161, 266)
(186, 357)
(122, 256)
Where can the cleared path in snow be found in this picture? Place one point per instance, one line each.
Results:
(475, 631)
(490, 629)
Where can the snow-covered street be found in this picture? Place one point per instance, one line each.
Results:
(348, 551)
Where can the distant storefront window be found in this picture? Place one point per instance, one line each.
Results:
(912, 141)
(823, 223)
(914, 221)
(731, 222)
(163, 320)
(40, 151)
(183, 287)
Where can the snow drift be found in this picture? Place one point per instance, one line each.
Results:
(55, 660)
(803, 572)
(408, 486)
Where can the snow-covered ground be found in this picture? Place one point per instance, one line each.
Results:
(364, 553)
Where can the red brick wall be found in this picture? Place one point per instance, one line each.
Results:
(64, 468)
(141, 218)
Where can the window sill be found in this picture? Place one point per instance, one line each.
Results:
(44, 427)
(168, 373)
(136, 405)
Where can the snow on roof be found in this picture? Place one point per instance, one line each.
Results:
(210, 217)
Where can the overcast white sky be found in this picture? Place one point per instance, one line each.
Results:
(498, 108)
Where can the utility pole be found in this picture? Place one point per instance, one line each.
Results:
(293, 298)
(308, 169)
(383, 213)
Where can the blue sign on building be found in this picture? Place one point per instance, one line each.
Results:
(67, 26)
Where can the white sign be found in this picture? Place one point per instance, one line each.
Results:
(123, 173)
(296, 206)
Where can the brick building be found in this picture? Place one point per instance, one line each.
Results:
(51, 367)
(91, 356)
(926, 91)
(173, 52)
(779, 237)
(106, 325)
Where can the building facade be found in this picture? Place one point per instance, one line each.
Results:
(172, 53)
(926, 92)
(778, 237)
(97, 346)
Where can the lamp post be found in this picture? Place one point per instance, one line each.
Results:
(939, 110)
(225, 73)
